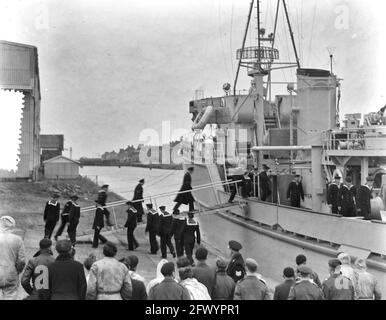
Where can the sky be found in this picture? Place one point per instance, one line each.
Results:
(111, 69)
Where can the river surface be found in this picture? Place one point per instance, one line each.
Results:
(123, 180)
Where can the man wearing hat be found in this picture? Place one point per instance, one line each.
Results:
(67, 280)
(224, 288)
(251, 287)
(346, 199)
(165, 231)
(364, 196)
(152, 226)
(295, 191)
(337, 286)
(282, 290)
(264, 184)
(305, 288)
(37, 272)
(333, 194)
(102, 199)
(98, 224)
(12, 259)
(236, 266)
(138, 198)
(51, 215)
(185, 197)
(73, 219)
(64, 219)
(131, 224)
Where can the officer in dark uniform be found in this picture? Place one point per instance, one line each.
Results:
(346, 199)
(138, 195)
(333, 195)
(64, 219)
(152, 226)
(295, 192)
(178, 226)
(337, 286)
(102, 199)
(191, 233)
(73, 219)
(246, 187)
(186, 197)
(165, 230)
(364, 196)
(131, 224)
(305, 288)
(98, 224)
(264, 184)
(236, 266)
(51, 215)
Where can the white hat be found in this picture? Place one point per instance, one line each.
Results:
(7, 223)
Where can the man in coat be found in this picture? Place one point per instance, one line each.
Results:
(138, 198)
(301, 260)
(168, 288)
(282, 290)
(178, 226)
(98, 224)
(51, 215)
(12, 259)
(102, 199)
(224, 288)
(203, 272)
(364, 196)
(305, 288)
(264, 184)
(73, 219)
(337, 286)
(131, 224)
(67, 280)
(346, 199)
(295, 192)
(236, 266)
(37, 273)
(251, 287)
(186, 197)
(64, 219)
(333, 195)
(165, 231)
(152, 226)
(191, 235)
(246, 187)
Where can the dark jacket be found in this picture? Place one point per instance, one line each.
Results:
(67, 208)
(282, 290)
(74, 213)
(338, 287)
(98, 219)
(246, 187)
(264, 185)
(251, 288)
(363, 201)
(51, 211)
(67, 280)
(139, 290)
(206, 275)
(138, 193)
(186, 197)
(165, 224)
(333, 194)
(295, 193)
(191, 232)
(168, 289)
(178, 227)
(102, 197)
(236, 267)
(224, 288)
(152, 223)
(346, 200)
(131, 221)
(37, 273)
(305, 290)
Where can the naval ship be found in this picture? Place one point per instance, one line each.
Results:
(297, 132)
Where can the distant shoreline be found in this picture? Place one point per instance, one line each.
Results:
(138, 165)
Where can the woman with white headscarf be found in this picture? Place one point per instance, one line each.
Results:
(12, 259)
(159, 276)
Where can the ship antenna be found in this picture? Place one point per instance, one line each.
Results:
(292, 34)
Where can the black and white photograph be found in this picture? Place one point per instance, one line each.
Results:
(192, 150)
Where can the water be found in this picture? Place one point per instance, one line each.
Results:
(123, 181)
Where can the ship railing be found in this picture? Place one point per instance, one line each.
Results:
(165, 194)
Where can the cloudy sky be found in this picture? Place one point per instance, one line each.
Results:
(110, 69)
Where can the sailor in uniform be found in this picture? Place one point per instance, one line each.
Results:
(138, 198)
(295, 192)
(102, 199)
(346, 199)
(64, 219)
(186, 197)
(165, 230)
(236, 267)
(98, 224)
(73, 219)
(305, 288)
(152, 225)
(246, 187)
(364, 196)
(264, 184)
(178, 226)
(333, 194)
(191, 233)
(131, 224)
(51, 215)
(337, 286)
